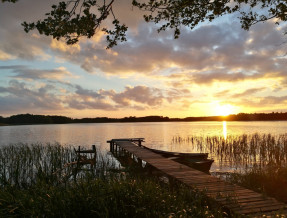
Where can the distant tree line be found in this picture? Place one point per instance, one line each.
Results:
(23, 119)
(35, 119)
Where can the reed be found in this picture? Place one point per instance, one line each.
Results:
(260, 158)
(32, 187)
(270, 180)
(23, 165)
(255, 150)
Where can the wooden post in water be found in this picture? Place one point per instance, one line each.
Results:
(111, 146)
(140, 162)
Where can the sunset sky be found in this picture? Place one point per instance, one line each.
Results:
(215, 69)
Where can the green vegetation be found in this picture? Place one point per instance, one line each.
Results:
(270, 180)
(261, 158)
(37, 182)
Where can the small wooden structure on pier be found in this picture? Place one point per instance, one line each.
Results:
(234, 198)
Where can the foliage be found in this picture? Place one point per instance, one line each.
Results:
(241, 151)
(129, 197)
(73, 19)
(190, 13)
(13, 1)
(92, 194)
(260, 160)
(269, 180)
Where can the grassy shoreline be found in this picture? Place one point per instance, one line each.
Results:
(36, 181)
(31, 187)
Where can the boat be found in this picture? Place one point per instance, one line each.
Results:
(199, 164)
(201, 156)
(198, 161)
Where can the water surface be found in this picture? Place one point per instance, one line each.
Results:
(160, 135)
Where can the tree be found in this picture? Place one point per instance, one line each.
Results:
(77, 18)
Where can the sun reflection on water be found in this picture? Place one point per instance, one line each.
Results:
(224, 129)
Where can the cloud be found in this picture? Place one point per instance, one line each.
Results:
(211, 52)
(273, 100)
(24, 72)
(18, 97)
(80, 104)
(5, 56)
(86, 93)
(222, 77)
(55, 97)
(17, 43)
(248, 92)
(63, 47)
(139, 94)
(203, 64)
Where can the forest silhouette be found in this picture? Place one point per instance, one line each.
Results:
(23, 119)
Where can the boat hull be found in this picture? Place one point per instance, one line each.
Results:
(197, 161)
(201, 156)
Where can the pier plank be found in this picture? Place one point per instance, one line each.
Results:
(237, 199)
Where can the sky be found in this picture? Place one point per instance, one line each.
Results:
(215, 69)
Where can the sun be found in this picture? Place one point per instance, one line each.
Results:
(224, 110)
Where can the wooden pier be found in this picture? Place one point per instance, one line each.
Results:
(236, 199)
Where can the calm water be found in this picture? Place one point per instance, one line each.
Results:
(157, 135)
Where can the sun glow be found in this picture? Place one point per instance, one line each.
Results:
(224, 110)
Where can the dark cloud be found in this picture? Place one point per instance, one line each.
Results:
(27, 99)
(17, 43)
(24, 72)
(49, 97)
(81, 104)
(87, 93)
(210, 54)
(139, 94)
(213, 52)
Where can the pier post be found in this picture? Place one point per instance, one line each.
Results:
(140, 162)
(111, 146)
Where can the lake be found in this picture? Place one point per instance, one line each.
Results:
(170, 136)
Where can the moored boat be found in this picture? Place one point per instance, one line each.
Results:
(198, 161)
(199, 164)
(201, 156)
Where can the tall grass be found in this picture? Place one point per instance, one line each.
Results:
(255, 150)
(31, 186)
(261, 158)
(23, 165)
(269, 180)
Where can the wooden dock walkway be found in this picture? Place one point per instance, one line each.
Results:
(234, 198)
